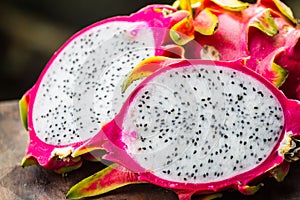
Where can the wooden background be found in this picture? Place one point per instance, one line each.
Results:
(17, 183)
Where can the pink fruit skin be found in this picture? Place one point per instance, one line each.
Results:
(289, 59)
(110, 139)
(235, 39)
(42, 152)
(231, 46)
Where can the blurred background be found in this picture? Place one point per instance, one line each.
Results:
(31, 31)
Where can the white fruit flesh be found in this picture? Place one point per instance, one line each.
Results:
(81, 88)
(201, 124)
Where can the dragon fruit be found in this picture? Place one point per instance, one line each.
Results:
(198, 127)
(265, 32)
(78, 90)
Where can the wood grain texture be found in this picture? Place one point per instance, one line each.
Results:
(37, 183)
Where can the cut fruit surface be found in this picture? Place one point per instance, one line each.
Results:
(198, 127)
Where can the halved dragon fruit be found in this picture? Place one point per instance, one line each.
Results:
(265, 32)
(198, 127)
(79, 89)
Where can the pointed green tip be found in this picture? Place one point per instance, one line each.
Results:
(184, 5)
(266, 23)
(23, 107)
(180, 38)
(28, 161)
(232, 5)
(249, 190)
(280, 74)
(84, 150)
(126, 83)
(285, 10)
(176, 4)
(206, 22)
(279, 172)
(183, 31)
(67, 169)
(106, 180)
(72, 195)
(143, 69)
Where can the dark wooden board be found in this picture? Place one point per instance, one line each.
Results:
(37, 183)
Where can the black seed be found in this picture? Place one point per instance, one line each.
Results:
(260, 93)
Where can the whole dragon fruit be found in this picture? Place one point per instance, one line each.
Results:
(266, 33)
(77, 91)
(198, 127)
